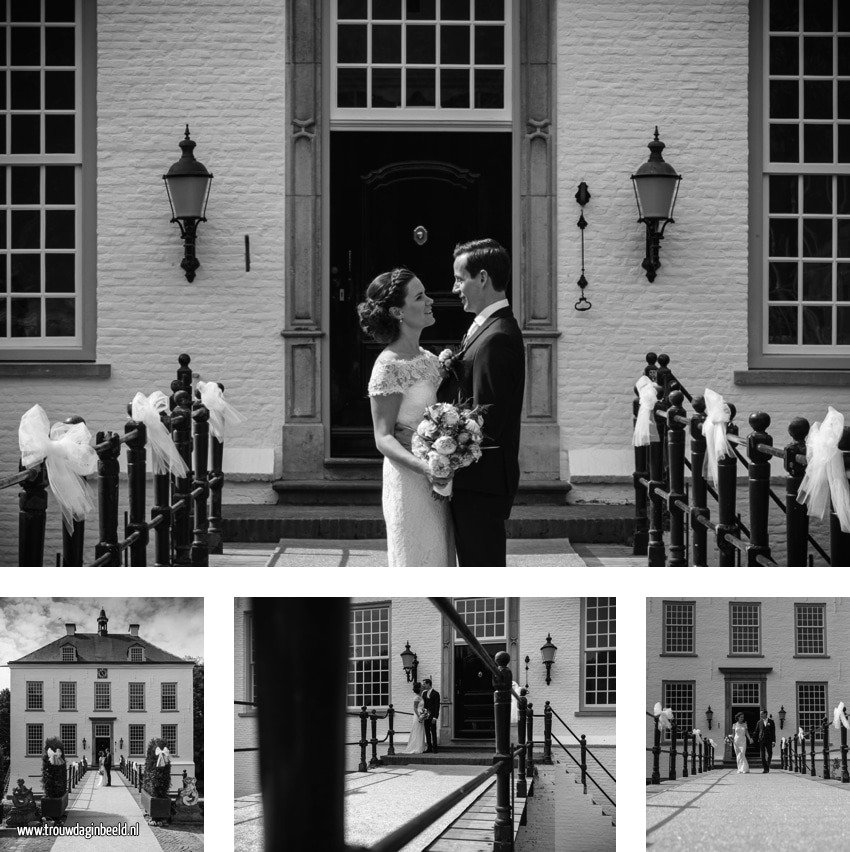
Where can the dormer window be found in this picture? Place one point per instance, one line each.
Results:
(137, 654)
(69, 654)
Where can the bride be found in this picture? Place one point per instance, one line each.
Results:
(742, 737)
(416, 741)
(404, 382)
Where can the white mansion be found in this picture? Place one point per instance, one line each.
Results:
(96, 691)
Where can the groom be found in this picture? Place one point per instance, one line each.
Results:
(766, 733)
(431, 700)
(489, 372)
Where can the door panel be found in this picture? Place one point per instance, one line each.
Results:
(474, 693)
(385, 186)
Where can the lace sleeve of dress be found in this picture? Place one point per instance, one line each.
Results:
(388, 377)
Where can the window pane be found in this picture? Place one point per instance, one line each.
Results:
(26, 92)
(784, 15)
(783, 99)
(489, 10)
(59, 184)
(26, 46)
(843, 282)
(456, 10)
(26, 317)
(783, 193)
(489, 45)
(420, 87)
(817, 238)
(782, 282)
(843, 143)
(489, 89)
(387, 9)
(782, 325)
(26, 229)
(386, 43)
(817, 143)
(843, 248)
(58, 11)
(386, 87)
(59, 90)
(784, 55)
(454, 45)
(844, 55)
(25, 10)
(843, 328)
(783, 238)
(817, 193)
(817, 282)
(421, 10)
(454, 86)
(26, 273)
(817, 99)
(26, 134)
(2, 274)
(59, 228)
(817, 55)
(817, 325)
(59, 273)
(421, 44)
(59, 322)
(817, 16)
(351, 87)
(351, 43)
(59, 46)
(25, 185)
(354, 9)
(3, 317)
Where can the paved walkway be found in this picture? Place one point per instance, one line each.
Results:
(722, 810)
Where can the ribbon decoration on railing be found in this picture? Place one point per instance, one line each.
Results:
(645, 428)
(163, 756)
(164, 454)
(839, 717)
(801, 734)
(222, 413)
(782, 743)
(712, 744)
(68, 455)
(665, 716)
(55, 757)
(698, 736)
(825, 476)
(717, 415)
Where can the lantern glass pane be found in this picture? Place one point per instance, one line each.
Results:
(656, 196)
(187, 195)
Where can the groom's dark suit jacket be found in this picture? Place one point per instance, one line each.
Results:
(490, 373)
(766, 732)
(432, 703)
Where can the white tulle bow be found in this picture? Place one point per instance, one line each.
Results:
(164, 455)
(55, 757)
(665, 716)
(717, 415)
(163, 756)
(801, 733)
(645, 428)
(839, 717)
(67, 452)
(825, 476)
(222, 413)
(697, 736)
(782, 743)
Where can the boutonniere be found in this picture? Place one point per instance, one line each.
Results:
(448, 358)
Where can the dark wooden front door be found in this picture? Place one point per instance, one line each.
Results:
(474, 693)
(403, 199)
(101, 744)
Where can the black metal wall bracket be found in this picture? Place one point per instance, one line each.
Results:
(582, 197)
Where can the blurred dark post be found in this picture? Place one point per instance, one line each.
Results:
(825, 729)
(32, 519)
(839, 542)
(684, 754)
(521, 728)
(758, 474)
(373, 719)
(671, 775)
(727, 521)
(137, 484)
(656, 752)
(181, 522)
(529, 750)
(547, 733)
(699, 492)
(656, 555)
(641, 534)
(107, 497)
(73, 543)
(796, 517)
(364, 743)
(200, 486)
(391, 733)
(503, 825)
(676, 463)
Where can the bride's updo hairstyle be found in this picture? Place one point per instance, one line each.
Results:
(417, 687)
(388, 290)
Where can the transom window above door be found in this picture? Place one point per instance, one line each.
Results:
(421, 60)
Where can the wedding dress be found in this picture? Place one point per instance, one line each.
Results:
(740, 744)
(416, 741)
(419, 530)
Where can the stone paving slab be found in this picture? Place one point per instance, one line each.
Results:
(722, 810)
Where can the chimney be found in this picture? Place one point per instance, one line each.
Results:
(70, 629)
(101, 624)
(134, 629)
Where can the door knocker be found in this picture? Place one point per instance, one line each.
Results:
(420, 235)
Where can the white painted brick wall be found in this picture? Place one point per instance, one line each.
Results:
(712, 647)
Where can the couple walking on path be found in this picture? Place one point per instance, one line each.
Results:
(766, 736)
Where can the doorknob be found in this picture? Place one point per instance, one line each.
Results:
(420, 235)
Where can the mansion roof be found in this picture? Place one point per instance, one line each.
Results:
(94, 648)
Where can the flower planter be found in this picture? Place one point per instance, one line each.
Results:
(54, 808)
(156, 807)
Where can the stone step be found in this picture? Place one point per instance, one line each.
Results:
(367, 492)
(263, 522)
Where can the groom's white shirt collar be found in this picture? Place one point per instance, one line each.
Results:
(481, 318)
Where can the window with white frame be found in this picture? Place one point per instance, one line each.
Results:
(679, 627)
(746, 693)
(68, 695)
(369, 657)
(169, 734)
(68, 735)
(137, 696)
(679, 697)
(412, 59)
(168, 696)
(485, 617)
(600, 653)
(810, 630)
(35, 739)
(35, 695)
(102, 695)
(745, 628)
(69, 654)
(137, 654)
(41, 179)
(805, 177)
(136, 736)
(811, 707)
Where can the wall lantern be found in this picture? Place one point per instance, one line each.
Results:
(781, 715)
(656, 186)
(547, 652)
(410, 662)
(84, 743)
(709, 716)
(188, 186)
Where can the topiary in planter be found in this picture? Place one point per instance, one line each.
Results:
(157, 781)
(54, 779)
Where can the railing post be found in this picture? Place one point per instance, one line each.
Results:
(759, 483)
(655, 552)
(803, 754)
(216, 480)
(796, 753)
(796, 516)
(107, 497)
(684, 754)
(200, 544)
(364, 715)
(141, 778)
(137, 485)
(584, 763)
(181, 521)
(391, 734)
(676, 462)
(547, 732)
(727, 521)
(693, 738)
(699, 492)
(521, 727)
(529, 746)
(845, 775)
(373, 760)
(839, 542)
(812, 771)
(73, 543)
(32, 519)
(641, 534)
(503, 825)
(674, 728)
(825, 727)
(656, 752)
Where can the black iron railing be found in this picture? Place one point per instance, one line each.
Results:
(700, 749)
(662, 493)
(792, 754)
(186, 519)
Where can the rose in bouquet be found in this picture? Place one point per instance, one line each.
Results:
(426, 715)
(448, 439)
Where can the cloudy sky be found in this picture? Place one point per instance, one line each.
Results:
(173, 624)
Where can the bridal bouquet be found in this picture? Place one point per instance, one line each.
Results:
(729, 740)
(449, 438)
(426, 715)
